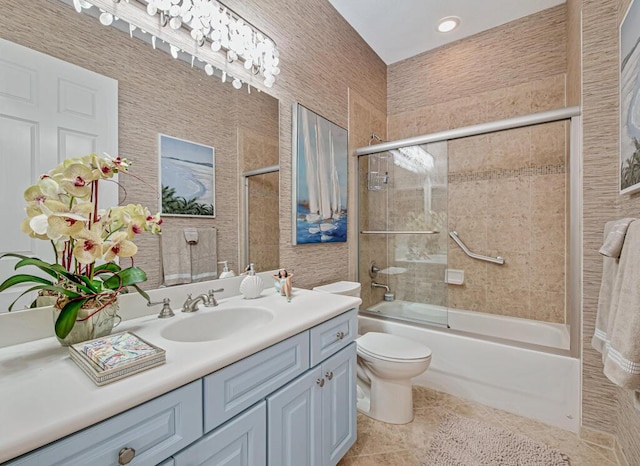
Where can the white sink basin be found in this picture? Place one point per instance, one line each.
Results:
(217, 325)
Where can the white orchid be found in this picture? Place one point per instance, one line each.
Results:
(61, 208)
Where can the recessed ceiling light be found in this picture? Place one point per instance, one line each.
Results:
(448, 24)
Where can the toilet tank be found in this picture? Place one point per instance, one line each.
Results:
(344, 288)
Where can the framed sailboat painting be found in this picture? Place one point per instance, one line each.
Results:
(319, 185)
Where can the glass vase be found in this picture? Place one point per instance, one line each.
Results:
(89, 323)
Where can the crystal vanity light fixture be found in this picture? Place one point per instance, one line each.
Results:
(205, 29)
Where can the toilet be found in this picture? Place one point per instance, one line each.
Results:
(386, 365)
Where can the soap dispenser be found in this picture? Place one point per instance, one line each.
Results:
(226, 273)
(252, 285)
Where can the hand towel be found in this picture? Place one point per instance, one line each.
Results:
(176, 257)
(614, 240)
(191, 235)
(204, 256)
(622, 348)
(609, 271)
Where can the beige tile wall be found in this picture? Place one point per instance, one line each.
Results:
(506, 189)
(263, 223)
(507, 198)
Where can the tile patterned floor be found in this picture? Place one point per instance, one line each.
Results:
(381, 444)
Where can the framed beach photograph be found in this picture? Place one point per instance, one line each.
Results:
(319, 179)
(187, 178)
(630, 100)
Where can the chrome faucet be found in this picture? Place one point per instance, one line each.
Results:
(388, 295)
(380, 285)
(191, 304)
(212, 299)
(208, 299)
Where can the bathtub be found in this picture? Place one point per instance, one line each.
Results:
(537, 382)
(490, 325)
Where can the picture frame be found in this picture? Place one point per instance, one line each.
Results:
(319, 185)
(187, 178)
(629, 144)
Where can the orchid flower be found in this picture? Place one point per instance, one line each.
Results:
(76, 180)
(89, 246)
(120, 246)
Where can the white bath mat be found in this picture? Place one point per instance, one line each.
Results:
(460, 441)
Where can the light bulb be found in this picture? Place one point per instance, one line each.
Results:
(448, 24)
(208, 69)
(106, 19)
(237, 84)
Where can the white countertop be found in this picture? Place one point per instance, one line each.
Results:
(44, 396)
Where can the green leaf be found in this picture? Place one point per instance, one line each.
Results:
(143, 293)
(77, 281)
(42, 265)
(23, 278)
(13, 254)
(57, 289)
(87, 281)
(67, 318)
(126, 277)
(109, 266)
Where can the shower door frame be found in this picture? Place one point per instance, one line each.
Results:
(573, 294)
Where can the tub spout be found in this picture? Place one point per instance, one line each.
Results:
(380, 285)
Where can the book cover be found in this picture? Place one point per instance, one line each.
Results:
(116, 350)
(114, 357)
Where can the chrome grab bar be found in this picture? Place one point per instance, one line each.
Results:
(399, 232)
(496, 260)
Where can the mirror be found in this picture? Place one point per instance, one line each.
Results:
(160, 95)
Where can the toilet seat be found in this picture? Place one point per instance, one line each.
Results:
(392, 348)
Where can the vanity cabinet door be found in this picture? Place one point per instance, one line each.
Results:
(143, 436)
(242, 441)
(339, 404)
(294, 424)
(235, 388)
(333, 335)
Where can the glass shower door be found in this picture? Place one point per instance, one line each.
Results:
(403, 232)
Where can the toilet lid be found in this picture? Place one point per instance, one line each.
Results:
(386, 346)
(342, 287)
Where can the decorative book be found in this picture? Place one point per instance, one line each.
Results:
(113, 357)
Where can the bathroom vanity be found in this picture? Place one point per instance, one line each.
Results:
(282, 393)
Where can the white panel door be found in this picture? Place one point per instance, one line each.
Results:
(49, 110)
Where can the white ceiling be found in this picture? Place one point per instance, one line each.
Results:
(399, 29)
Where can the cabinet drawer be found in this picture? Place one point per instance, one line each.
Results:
(333, 335)
(155, 430)
(241, 441)
(233, 389)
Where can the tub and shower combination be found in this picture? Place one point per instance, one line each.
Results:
(501, 312)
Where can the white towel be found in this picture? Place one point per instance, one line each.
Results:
(620, 343)
(609, 271)
(176, 257)
(204, 257)
(614, 240)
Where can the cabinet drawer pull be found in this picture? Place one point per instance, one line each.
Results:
(329, 375)
(126, 455)
(320, 382)
(340, 335)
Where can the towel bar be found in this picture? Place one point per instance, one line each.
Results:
(399, 232)
(496, 260)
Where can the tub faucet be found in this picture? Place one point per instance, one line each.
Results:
(380, 285)
(388, 296)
